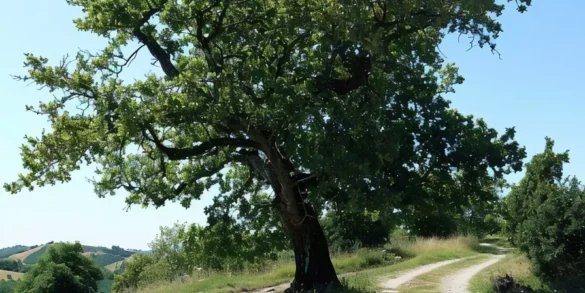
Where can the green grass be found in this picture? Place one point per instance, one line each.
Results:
(34, 257)
(360, 282)
(104, 286)
(520, 268)
(114, 266)
(104, 259)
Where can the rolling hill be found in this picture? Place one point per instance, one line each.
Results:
(111, 258)
(8, 251)
(25, 254)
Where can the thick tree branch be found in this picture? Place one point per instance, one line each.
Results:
(163, 57)
(359, 68)
(175, 154)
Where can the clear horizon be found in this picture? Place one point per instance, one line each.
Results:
(534, 87)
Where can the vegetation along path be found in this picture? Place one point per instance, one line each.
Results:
(459, 281)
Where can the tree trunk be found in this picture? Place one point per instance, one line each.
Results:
(314, 269)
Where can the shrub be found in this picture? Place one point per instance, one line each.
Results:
(63, 269)
(9, 265)
(546, 216)
(133, 273)
(7, 286)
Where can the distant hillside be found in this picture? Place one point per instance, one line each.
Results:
(110, 258)
(24, 255)
(8, 251)
(102, 256)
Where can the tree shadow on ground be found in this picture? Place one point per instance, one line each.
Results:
(490, 249)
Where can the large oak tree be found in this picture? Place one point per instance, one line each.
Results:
(319, 101)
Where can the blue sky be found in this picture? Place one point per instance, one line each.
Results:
(537, 87)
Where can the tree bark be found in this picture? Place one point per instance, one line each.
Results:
(314, 269)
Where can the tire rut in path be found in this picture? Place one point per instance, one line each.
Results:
(391, 285)
(459, 281)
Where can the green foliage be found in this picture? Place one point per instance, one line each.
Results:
(10, 265)
(63, 269)
(346, 229)
(107, 274)
(7, 286)
(8, 251)
(340, 100)
(104, 286)
(34, 257)
(546, 216)
(133, 273)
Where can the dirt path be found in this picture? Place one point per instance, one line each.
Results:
(459, 281)
(390, 285)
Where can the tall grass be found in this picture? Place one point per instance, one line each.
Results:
(424, 245)
(371, 263)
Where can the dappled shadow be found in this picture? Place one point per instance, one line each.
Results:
(490, 249)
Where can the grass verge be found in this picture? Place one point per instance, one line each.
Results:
(365, 280)
(520, 268)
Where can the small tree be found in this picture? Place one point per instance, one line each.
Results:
(546, 216)
(133, 273)
(63, 269)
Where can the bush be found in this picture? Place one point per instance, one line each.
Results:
(545, 216)
(63, 269)
(133, 273)
(9, 265)
(7, 286)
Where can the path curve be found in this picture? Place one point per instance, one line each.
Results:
(391, 285)
(459, 281)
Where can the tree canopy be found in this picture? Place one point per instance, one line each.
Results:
(320, 101)
(63, 269)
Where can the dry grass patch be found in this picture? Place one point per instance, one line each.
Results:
(23, 255)
(421, 245)
(15, 276)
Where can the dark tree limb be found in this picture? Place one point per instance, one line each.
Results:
(163, 57)
(175, 154)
